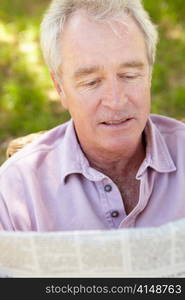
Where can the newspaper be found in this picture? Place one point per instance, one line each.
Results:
(135, 252)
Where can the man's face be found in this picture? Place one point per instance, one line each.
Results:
(106, 82)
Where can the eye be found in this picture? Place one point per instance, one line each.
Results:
(93, 83)
(128, 76)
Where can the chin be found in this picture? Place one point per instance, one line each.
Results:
(118, 146)
(114, 147)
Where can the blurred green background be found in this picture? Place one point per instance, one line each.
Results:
(28, 100)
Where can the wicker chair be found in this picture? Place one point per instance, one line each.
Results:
(18, 143)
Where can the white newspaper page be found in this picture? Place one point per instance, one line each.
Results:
(141, 252)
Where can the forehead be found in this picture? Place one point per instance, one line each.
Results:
(117, 41)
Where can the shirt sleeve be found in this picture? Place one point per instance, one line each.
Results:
(13, 206)
(5, 220)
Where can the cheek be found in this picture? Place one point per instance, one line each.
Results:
(140, 96)
(87, 104)
(82, 109)
(82, 106)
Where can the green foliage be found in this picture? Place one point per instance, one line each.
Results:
(28, 102)
(168, 91)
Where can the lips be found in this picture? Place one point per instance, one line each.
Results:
(115, 122)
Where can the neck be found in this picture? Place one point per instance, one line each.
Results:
(113, 165)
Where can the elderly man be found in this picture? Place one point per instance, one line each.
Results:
(113, 165)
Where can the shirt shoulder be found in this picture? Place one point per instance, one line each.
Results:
(173, 134)
(167, 125)
(35, 152)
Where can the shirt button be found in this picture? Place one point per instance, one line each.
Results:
(107, 188)
(114, 214)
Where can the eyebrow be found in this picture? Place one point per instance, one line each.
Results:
(90, 70)
(133, 64)
(86, 71)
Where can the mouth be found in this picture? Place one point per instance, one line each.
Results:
(116, 123)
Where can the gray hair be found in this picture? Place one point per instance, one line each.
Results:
(60, 10)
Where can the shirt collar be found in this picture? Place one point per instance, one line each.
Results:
(157, 154)
(73, 159)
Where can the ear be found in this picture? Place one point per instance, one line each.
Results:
(60, 90)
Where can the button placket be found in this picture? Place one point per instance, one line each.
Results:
(114, 214)
(108, 188)
(113, 202)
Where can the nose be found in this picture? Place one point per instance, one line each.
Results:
(114, 96)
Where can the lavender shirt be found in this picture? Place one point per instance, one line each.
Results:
(49, 185)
